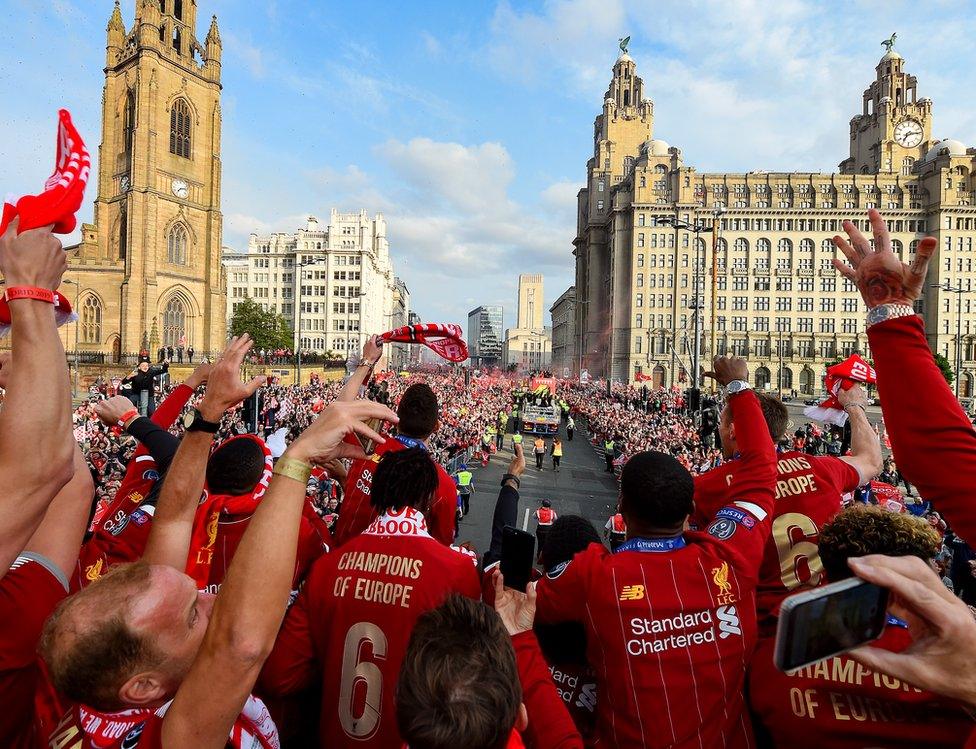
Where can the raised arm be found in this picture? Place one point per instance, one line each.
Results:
(932, 439)
(865, 454)
(506, 506)
(169, 539)
(37, 408)
(372, 352)
(248, 612)
(169, 410)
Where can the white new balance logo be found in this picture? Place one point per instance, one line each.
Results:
(728, 621)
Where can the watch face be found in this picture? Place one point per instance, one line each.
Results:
(180, 188)
(188, 419)
(908, 133)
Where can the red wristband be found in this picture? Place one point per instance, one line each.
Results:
(130, 414)
(29, 292)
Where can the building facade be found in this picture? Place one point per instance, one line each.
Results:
(147, 271)
(397, 355)
(564, 333)
(333, 284)
(528, 347)
(486, 335)
(759, 269)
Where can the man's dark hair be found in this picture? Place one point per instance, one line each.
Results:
(459, 684)
(861, 530)
(417, 411)
(656, 490)
(404, 478)
(567, 536)
(235, 467)
(773, 411)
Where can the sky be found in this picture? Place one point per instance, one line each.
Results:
(468, 124)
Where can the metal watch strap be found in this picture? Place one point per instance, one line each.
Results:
(888, 312)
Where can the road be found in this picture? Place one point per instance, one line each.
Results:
(581, 487)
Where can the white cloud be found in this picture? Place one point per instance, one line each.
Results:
(246, 52)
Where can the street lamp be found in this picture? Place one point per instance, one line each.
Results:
(298, 327)
(958, 291)
(696, 228)
(77, 323)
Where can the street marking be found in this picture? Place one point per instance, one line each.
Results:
(525, 523)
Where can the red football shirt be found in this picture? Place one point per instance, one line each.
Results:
(356, 513)
(29, 592)
(349, 627)
(808, 494)
(670, 623)
(840, 704)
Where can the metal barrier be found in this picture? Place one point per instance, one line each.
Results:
(454, 464)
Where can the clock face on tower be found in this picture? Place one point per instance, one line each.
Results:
(908, 133)
(180, 189)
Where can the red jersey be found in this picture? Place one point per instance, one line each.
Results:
(349, 627)
(841, 704)
(357, 513)
(84, 728)
(670, 623)
(29, 593)
(808, 494)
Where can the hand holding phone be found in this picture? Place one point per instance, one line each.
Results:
(518, 553)
(378, 426)
(826, 621)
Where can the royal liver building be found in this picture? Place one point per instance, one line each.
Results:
(761, 256)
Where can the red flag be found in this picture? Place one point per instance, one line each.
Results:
(446, 341)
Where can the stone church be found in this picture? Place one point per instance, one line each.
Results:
(148, 271)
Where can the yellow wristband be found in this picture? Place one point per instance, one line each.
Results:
(292, 469)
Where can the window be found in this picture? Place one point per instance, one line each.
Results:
(805, 324)
(129, 124)
(174, 322)
(599, 205)
(827, 304)
(805, 304)
(826, 325)
(804, 284)
(176, 245)
(179, 129)
(762, 303)
(123, 234)
(849, 305)
(91, 320)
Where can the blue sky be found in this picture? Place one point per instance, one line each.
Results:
(468, 124)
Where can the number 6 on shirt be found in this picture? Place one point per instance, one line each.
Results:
(361, 681)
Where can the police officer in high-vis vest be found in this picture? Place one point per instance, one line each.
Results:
(545, 516)
(465, 484)
(608, 453)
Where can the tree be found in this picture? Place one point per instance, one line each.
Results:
(268, 329)
(945, 366)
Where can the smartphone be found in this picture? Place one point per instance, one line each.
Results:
(518, 554)
(369, 446)
(820, 623)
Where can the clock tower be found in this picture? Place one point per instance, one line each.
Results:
(894, 129)
(148, 269)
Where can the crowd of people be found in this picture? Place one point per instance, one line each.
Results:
(234, 562)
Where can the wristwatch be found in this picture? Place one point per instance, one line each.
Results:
(888, 312)
(737, 386)
(194, 422)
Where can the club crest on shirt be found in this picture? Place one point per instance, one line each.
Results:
(150, 475)
(632, 593)
(720, 578)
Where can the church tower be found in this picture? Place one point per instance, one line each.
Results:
(148, 269)
(894, 129)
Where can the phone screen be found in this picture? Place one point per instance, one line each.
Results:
(830, 620)
(518, 552)
(368, 445)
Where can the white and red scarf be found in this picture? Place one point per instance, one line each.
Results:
(209, 512)
(843, 376)
(254, 727)
(57, 204)
(447, 341)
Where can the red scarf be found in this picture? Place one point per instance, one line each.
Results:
(212, 506)
(122, 730)
(57, 204)
(447, 341)
(841, 376)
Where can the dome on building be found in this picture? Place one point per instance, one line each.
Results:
(954, 147)
(625, 58)
(655, 148)
(891, 55)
